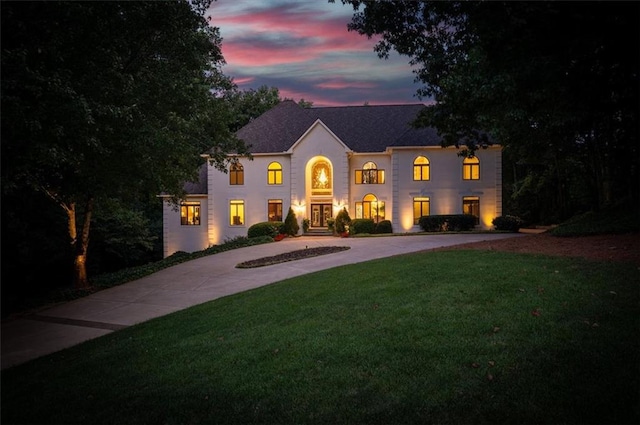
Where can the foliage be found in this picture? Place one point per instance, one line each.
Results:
(342, 220)
(384, 226)
(554, 85)
(509, 223)
(108, 100)
(245, 105)
(345, 345)
(618, 219)
(362, 225)
(331, 224)
(447, 222)
(265, 228)
(306, 223)
(291, 226)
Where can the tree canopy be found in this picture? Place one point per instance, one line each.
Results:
(109, 100)
(555, 83)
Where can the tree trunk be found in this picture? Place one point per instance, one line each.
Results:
(80, 243)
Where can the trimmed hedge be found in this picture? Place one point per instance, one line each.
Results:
(447, 222)
(265, 228)
(362, 225)
(384, 227)
(291, 226)
(509, 223)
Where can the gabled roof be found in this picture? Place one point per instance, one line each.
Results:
(361, 128)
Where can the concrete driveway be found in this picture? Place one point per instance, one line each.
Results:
(192, 283)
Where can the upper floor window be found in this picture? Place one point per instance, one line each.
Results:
(236, 174)
(421, 168)
(321, 179)
(421, 207)
(274, 173)
(190, 213)
(471, 168)
(274, 210)
(369, 174)
(236, 212)
(471, 205)
(371, 208)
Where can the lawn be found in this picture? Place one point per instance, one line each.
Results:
(464, 337)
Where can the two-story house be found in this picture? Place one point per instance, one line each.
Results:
(367, 159)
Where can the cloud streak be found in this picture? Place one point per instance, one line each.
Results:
(304, 49)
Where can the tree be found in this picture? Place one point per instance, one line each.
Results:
(246, 105)
(553, 83)
(108, 100)
(291, 226)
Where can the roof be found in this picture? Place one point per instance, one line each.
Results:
(361, 128)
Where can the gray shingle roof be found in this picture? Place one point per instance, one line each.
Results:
(361, 128)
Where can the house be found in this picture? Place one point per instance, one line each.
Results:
(367, 159)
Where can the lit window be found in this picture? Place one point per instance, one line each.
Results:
(274, 173)
(421, 208)
(471, 205)
(321, 179)
(471, 169)
(236, 212)
(371, 208)
(190, 213)
(421, 168)
(369, 174)
(236, 174)
(275, 210)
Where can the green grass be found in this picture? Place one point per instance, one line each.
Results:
(439, 337)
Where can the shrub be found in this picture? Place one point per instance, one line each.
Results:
(342, 220)
(331, 224)
(306, 223)
(290, 226)
(362, 225)
(265, 228)
(510, 223)
(447, 222)
(384, 227)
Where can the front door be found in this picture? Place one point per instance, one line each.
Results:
(320, 213)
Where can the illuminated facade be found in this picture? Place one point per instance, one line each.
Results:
(367, 159)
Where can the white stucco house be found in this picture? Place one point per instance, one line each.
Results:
(369, 159)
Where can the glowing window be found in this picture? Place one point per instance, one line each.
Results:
(471, 168)
(371, 208)
(321, 179)
(190, 213)
(421, 168)
(274, 173)
(369, 174)
(236, 174)
(421, 208)
(274, 210)
(236, 212)
(471, 205)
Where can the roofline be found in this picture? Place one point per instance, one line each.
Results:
(311, 127)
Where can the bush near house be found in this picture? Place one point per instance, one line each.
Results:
(384, 226)
(447, 222)
(509, 223)
(291, 226)
(362, 225)
(265, 228)
(342, 220)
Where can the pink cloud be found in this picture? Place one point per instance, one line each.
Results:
(339, 84)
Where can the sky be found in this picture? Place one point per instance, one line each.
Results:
(303, 48)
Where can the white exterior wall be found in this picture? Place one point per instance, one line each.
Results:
(176, 237)
(445, 189)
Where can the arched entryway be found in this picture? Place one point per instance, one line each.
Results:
(319, 191)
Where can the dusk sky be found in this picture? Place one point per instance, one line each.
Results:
(304, 49)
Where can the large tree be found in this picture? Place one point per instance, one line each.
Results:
(556, 83)
(108, 101)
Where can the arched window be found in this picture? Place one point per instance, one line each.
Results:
(371, 208)
(369, 174)
(471, 168)
(274, 173)
(421, 169)
(236, 174)
(321, 178)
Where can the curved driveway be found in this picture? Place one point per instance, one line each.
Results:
(191, 283)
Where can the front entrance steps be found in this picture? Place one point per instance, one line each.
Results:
(318, 232)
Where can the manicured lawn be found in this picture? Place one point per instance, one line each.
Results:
(465, 337)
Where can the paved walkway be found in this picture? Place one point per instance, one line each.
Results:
(191, 283)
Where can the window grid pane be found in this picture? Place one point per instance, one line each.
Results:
(236, 212)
